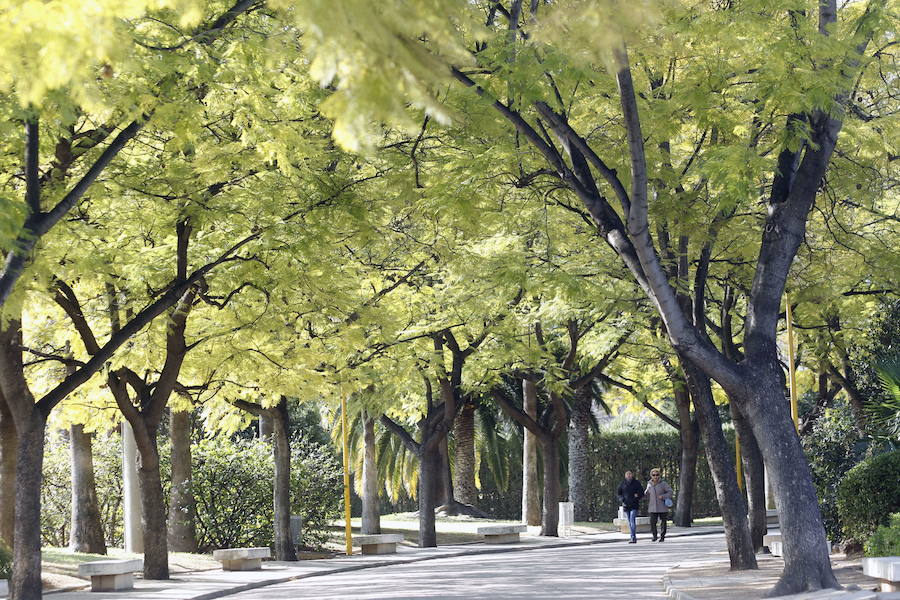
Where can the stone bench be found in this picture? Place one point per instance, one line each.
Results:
(241, 559)
(643, 525)
(771, 538)
(501, 534)
(884, 568)
(111, 575)
(774, 543)
(771, 517)
(4, 588)
(380, 543)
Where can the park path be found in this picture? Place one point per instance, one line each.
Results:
(613, 570)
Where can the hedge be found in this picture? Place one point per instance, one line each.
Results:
(868, 494)
(613, 453)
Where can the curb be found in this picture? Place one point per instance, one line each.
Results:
(672, 591)
(261, 584)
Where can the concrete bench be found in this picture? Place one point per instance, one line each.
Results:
(884, 568)
(4, 588)
(771, 538)
(643, 525)
(241, 559)
(774, 543)
(378, 543)
(111, 575)
(771, 517)
(501, 534)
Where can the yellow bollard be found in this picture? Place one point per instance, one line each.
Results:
(791, 370)
(347, 529)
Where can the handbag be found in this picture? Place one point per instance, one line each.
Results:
(668, 502)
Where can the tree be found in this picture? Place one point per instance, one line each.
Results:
(811, 132)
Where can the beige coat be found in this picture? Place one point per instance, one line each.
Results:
(653, 492)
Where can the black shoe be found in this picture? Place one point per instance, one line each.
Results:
(633, 542)
(662, 539)
(653, 540)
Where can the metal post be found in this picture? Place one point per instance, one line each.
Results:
(347, 530)
(791, 369)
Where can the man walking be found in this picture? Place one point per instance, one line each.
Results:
(659, 495)
(630, 493)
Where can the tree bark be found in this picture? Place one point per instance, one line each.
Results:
(429, 471)
(26, 576)
(8, 443)
(531, 498)
(153, 511)
(444, 482)
(689, 433)
(464, 457)
(550, 517)
(807, 565)
(579, 465)
(284, 545)
(182, 505)
(754, 476)
(371, 513)
(87, 531)
(721, 466)
(265, 427)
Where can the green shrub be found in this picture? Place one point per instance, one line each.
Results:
(56, 489)
(886, 539)
(834, 446)
(5, 562)
(233, 487)
(869, 492)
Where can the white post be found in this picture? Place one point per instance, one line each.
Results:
(134, 536)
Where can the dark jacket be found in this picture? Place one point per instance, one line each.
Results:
(630, 493)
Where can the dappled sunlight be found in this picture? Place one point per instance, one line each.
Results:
(608, 570)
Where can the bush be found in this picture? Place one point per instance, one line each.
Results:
(5, 562)
(834, 446)
(868, 494)
(886, 539)
(56, 489)
(233, 488)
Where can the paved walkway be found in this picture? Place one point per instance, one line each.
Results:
(709, 578)
(691, 565)
(207, 585)
(598, 572)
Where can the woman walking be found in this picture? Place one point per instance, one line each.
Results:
(659, 494)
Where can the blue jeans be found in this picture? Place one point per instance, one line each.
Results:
(632, 521)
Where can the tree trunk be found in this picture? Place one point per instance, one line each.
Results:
(550, 517)
(429, 471)
(182, 505)
(464, 457)
(371, 512)
(806, 562)
(689, 433)
(87, 531)
(721, 466)
(443, 481)
(754, 476)
(284, 545)
(579, 466)
(265, 427)
(531, 498)
(26, 576)
(8, 443)
(153, 511)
